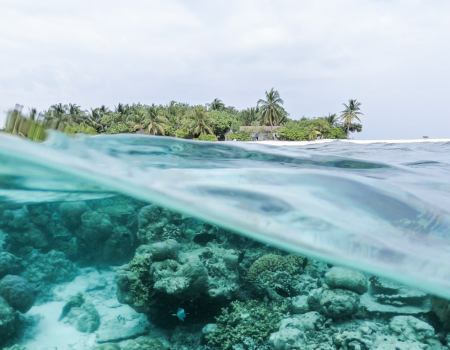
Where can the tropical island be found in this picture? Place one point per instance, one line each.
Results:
(215, 121)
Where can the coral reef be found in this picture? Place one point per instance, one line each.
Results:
(277, 276)
(233, 293)
(247, 320)
(145, 343)
(8, 321)
(9, 264)
(18, 292)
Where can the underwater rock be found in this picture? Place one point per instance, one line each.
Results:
(373, 307)
(206, 233)
(411, 328)
(53, 267)
(75, 301)
(343, 278)
(9, 264)
(71, 213)
(184, 281)
(107, 346)
(120, 323)
(222, 267)
(96, 227)
(165, 250)
(135, 284)
(8, 320)
(22, 234)
(117, 248)
(208, 329)
(145, 343)
(84, 318)
(291, 334)
(18, 292)
(441, 308)
(336, 303)
(393, 293)
(300, 304)
(152, 220)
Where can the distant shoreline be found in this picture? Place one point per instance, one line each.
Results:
(305, 143)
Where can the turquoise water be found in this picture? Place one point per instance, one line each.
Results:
(380, 208)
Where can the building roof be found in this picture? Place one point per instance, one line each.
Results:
(258, 128)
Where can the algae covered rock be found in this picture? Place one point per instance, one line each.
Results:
(145, 343)
(9, 264)
(84, 318)
(185, 281)
(18, 292)
(337, 303)
(51, 267)
(343, 278)
(107, 346)
(165, 250)
(8, 321)
(71, 213)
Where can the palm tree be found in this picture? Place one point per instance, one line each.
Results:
(350, 112)
(57, 117)
(271, 111)
(138, 120)
(94, 119)
(156, 123)
(216, 105)
(200, 123)
(250, 115)
(331, 119)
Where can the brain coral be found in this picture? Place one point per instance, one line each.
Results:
(17, 292)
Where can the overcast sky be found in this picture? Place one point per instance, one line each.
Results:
(391, 55)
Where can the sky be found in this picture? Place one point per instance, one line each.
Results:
(392, 56)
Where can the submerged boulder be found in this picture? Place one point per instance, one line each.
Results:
(18, 292)
(71, 213)
(343, 278)
(84, 318)
(337, 303)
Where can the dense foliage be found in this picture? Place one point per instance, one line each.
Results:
(210, 122)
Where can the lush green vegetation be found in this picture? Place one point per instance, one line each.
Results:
(210, 122)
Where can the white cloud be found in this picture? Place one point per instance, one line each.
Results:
(390, 55)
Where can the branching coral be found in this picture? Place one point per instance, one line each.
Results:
(250, 319)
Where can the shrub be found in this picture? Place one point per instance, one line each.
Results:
(207, 138)
(240, 136)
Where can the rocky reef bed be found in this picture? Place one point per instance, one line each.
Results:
(121, 274)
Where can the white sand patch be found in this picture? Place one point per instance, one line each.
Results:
(49, 334)
(117, 321)
(309, 143)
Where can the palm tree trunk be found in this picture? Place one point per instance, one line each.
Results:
(348, 130)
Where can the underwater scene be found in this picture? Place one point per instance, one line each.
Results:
(141, 242)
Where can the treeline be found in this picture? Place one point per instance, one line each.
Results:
(209, 122)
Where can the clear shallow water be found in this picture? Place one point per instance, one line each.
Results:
(381, 208)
